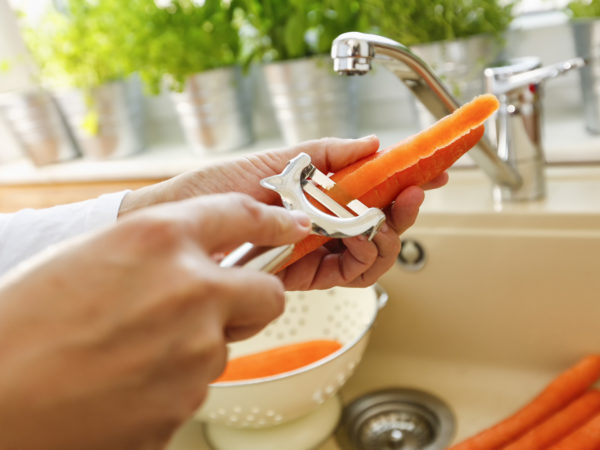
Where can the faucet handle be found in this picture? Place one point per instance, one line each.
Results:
(523, 72)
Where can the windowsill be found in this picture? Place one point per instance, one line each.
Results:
(566, 142)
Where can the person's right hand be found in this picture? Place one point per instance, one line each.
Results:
(109, 341)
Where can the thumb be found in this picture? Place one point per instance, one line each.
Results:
(224, 221)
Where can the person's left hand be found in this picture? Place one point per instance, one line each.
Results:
(348, 262)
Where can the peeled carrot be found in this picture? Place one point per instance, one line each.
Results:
(420, 173)
(586, 437)
(560, 424)
(277, 360)
(377, 179)
(561, 391)
(410, 151)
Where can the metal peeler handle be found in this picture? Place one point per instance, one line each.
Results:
(297, 179)
(265, 259)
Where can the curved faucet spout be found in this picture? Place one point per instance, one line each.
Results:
(354, 52)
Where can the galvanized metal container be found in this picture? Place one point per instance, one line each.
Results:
(107, 121)
(586, 34)
(459, 64)
(215, 111)
(310, 100)
(38, 127)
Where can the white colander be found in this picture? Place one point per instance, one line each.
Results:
(343, 314)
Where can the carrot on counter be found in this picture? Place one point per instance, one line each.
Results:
(377, 179)
(559, 425)
(561, 391)
(586, 437)
(277, 360)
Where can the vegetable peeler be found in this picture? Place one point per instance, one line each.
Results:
(298, 181)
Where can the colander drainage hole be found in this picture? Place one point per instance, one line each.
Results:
(396, 419)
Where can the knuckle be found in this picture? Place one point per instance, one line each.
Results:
(250, 207)
(277, 298)
(365, 280)
(271, 221)
(157, 232)
(215, 353)
(207, 351)
(395, 245)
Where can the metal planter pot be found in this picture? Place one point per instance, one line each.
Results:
(459, 64)
(107, 121)
(38, 126)
(214, 111)
(310, 100)
(586, 34)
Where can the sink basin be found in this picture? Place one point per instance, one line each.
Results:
(507, 298)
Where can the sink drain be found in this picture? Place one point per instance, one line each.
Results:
(396, 419)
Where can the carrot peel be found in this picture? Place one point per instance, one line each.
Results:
(277, 360)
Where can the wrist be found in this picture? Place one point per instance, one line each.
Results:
(142, 198)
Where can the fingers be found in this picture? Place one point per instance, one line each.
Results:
(253, 300)
(333, 154)
(327, 154)
(403, 212)
(222, 222)
(437, 182)
(361, 262)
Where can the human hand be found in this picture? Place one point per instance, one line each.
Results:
(109, 341)
(356, 262)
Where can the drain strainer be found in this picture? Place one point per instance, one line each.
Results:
(396, 419)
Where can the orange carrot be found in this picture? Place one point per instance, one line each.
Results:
(277, 360)
(586, 437)
(410, 151)
(561, 391)
(560, 424)
(379, 178)
(423, 171)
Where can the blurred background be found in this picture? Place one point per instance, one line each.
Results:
(104, 89)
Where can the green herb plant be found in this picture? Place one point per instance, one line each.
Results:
(291, 29)
(414, 22)
(85, 47)
(581, 9)
(100, 41)
(186, 38)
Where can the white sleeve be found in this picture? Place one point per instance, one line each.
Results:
(26, 232)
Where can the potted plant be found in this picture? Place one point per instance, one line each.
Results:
(292, 40)
(585, 25)
(194, 49)
(457, 38)
(83, 55)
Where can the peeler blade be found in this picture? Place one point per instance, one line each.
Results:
(300, 185)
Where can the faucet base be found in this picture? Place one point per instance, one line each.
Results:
(533, 186)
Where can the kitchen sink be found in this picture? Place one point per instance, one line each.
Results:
(491, 301)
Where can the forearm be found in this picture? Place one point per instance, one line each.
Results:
(26, 232)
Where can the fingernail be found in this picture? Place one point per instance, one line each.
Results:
(301, 219)
(384, 228)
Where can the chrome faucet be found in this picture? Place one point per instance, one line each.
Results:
(516, 163)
